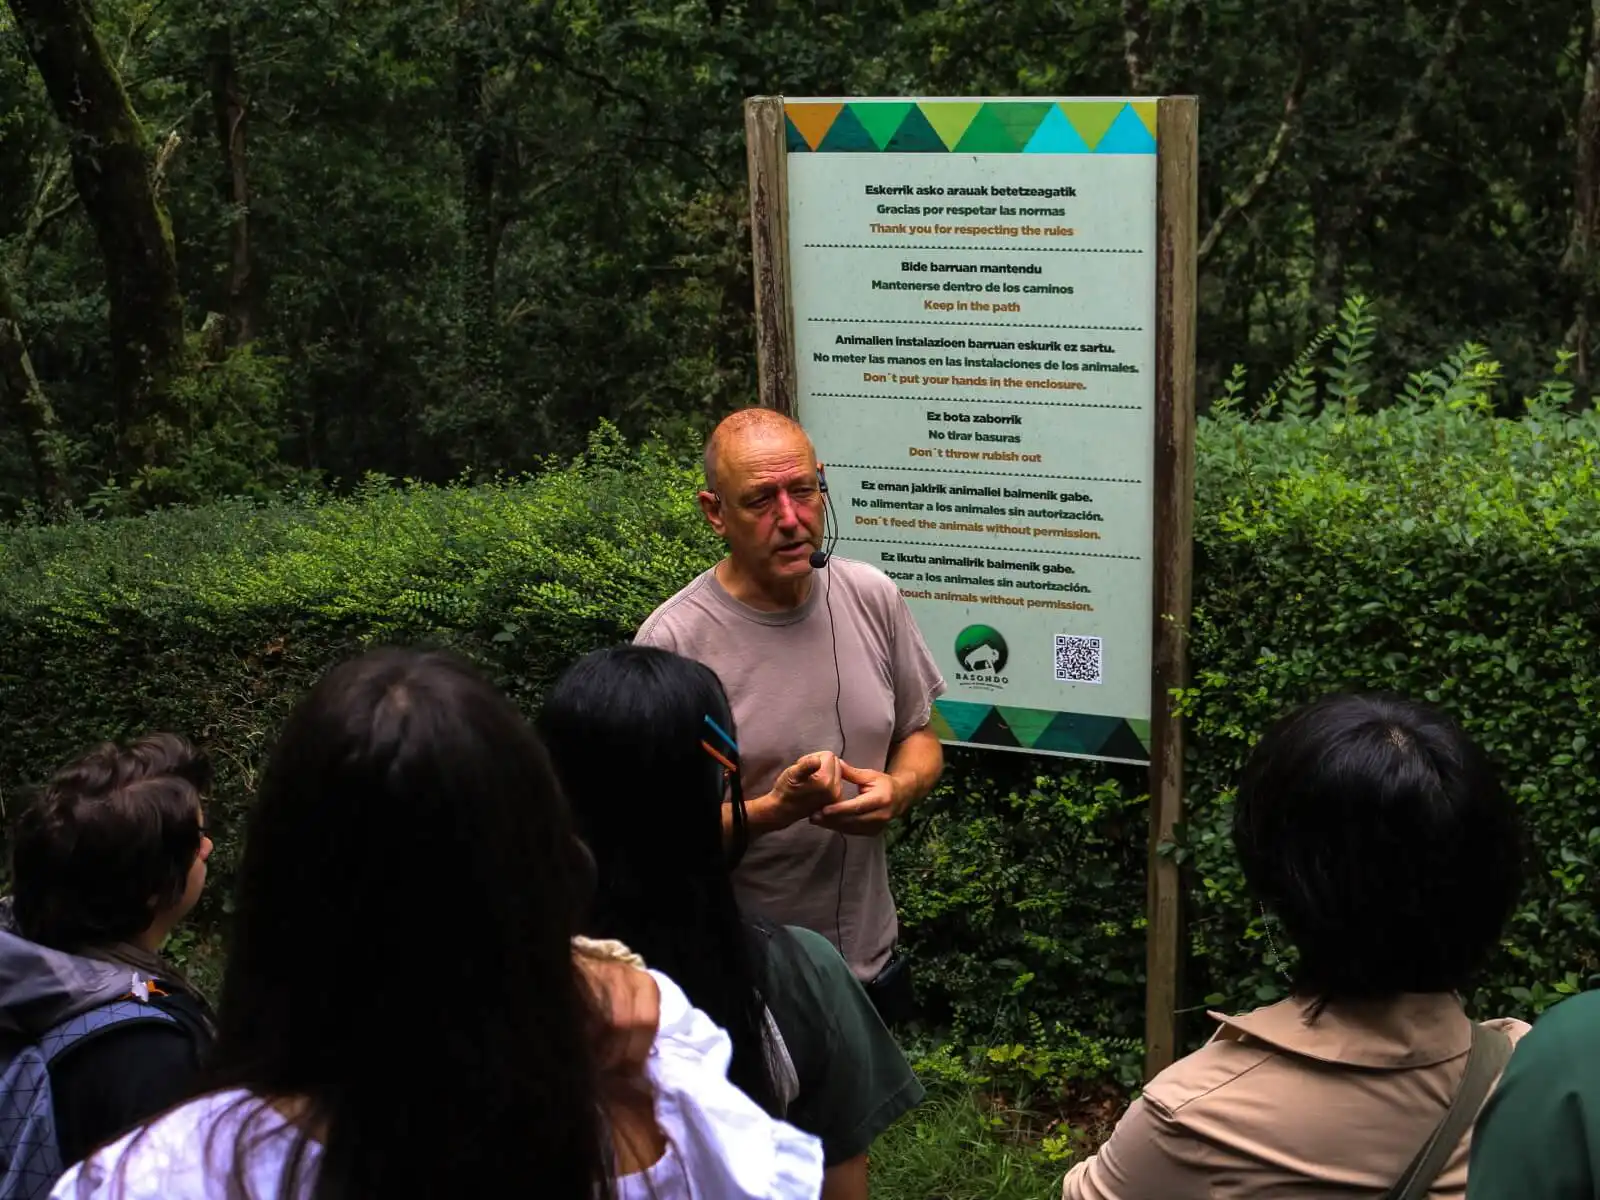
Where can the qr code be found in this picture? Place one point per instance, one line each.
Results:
(1078, 659)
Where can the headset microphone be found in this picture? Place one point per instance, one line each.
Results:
(819, 558)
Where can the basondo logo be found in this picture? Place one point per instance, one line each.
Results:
(981, 651)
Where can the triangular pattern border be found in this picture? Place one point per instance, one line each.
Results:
(867, 126)
(1042, 731)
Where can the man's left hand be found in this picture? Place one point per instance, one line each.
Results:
(867, 815)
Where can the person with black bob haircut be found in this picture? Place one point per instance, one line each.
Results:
(106, 861)
(1383, 850)
(402, 1013)
(808, 1044)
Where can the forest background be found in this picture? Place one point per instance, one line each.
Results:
(250, 243)
(260, 261)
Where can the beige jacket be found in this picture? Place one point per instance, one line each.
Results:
(1277, 1106)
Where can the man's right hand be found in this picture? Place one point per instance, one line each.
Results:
(810, 785)
(805, 787)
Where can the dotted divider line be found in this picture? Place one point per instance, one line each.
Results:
(988, 549)
(978, 249)
(999, 474)
(994, 324)
(970, 400)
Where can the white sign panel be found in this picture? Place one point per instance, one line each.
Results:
(974, 314)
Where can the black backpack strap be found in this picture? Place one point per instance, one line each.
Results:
(1491, 1050)
(193, 1015)
(77, 1031)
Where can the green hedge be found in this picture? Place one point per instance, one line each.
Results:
(1427, 547)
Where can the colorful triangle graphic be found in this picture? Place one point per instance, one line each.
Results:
(950, 119)
(1091, 118)
(793, 139)
(915, 136)
(973, 127)
(880, 120)
(986, 135)
(1027, 723)
(1076, 733)
(1056, 135)
(812, 121)
(1021, 118)
(847, 134)
(1041, 729)
(994, 731)
(1127, 135)
(962, 717)
(1147, 113)
(1123, 744)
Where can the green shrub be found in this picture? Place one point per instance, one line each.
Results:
(211, 621)
(1425, 547)
(954, 1147)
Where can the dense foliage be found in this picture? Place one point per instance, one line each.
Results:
(1428, 546)
(441, 235)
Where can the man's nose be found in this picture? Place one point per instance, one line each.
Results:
(788, 511)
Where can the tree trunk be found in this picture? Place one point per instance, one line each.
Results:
(480, 162)
(1136, 43)
(25, 400)
(228, 110)
(1579, 263)
(1236, 205)
(1351, 217)
(478, 145)
(111, 170)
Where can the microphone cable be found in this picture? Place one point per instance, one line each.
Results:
(830, 540)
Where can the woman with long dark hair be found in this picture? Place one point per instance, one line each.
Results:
(401, 1014)
(645, 745)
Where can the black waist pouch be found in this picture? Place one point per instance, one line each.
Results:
(890, 991)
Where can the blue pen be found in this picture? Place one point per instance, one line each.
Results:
(723, 734)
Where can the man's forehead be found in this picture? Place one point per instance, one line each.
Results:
(766, 458)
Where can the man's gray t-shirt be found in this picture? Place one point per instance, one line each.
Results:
(779, 672)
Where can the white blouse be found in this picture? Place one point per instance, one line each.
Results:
(720, 1144)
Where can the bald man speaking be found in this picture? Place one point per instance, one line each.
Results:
(832, 687)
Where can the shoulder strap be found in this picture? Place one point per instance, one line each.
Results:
(1490, 1052)
(792, 1011)
(785, 1078)
(74, 1031)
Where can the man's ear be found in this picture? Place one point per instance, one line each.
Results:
(712, 507)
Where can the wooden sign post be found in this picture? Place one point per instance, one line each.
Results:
(983, 311)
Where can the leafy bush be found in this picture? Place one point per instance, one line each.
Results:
(213, 620)
(1426, 547)
(955, 1148)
